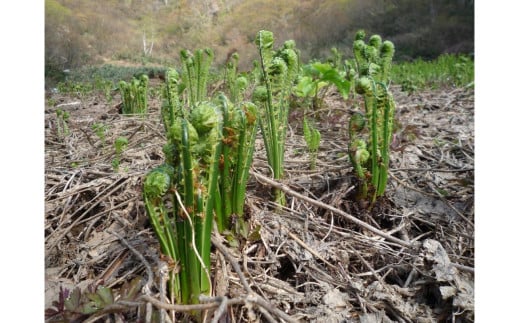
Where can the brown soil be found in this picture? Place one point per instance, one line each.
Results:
(320, 259)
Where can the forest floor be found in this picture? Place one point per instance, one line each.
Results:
(322, 258)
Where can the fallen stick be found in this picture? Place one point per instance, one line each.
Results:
(351, 218)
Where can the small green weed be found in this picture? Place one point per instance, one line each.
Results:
(62, 118)
(77, 306)
(312, 137)
(100, 130)
(78, 89)
(120, 145)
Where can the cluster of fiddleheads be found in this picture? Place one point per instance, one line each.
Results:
(370, 154)
(134, 95)
(208, 153)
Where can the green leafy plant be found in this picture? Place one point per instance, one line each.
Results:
(411, 85)
(100, 130)
(316, 76)
(135, 95)
(107, 87)
(77, 306)
(52, 102)
(312, 137)
(120, 145)
(278, 71)
(62, 118)
(370, 154)
(445, 70)
(308, 88)
(79, 89)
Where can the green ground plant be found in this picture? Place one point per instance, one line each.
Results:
(445, 70)
(51, 102)
(278, 72)
(317, 75)
(81, 89)
(77, 305)
(120, 145)
(369, 151)
(100, 129)
(105, 86)
(312, 138)
(112, 73)
(78, 89)
(62, 127)
(134, 95)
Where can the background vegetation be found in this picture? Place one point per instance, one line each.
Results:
(152, 32)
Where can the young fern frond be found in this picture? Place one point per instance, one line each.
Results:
(375, 42)
(231, 76)
(203, 60)
(120, 145)
(192, 263)
(239, 134)
(195, 73)
(188, 71)
(236, 85)
(248, 113)
(171, 108)
(226, 161)
(388, 107)
(387, 53)
(336, 57)
(156, 186)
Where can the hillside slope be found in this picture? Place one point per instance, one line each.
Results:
(93, 32)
